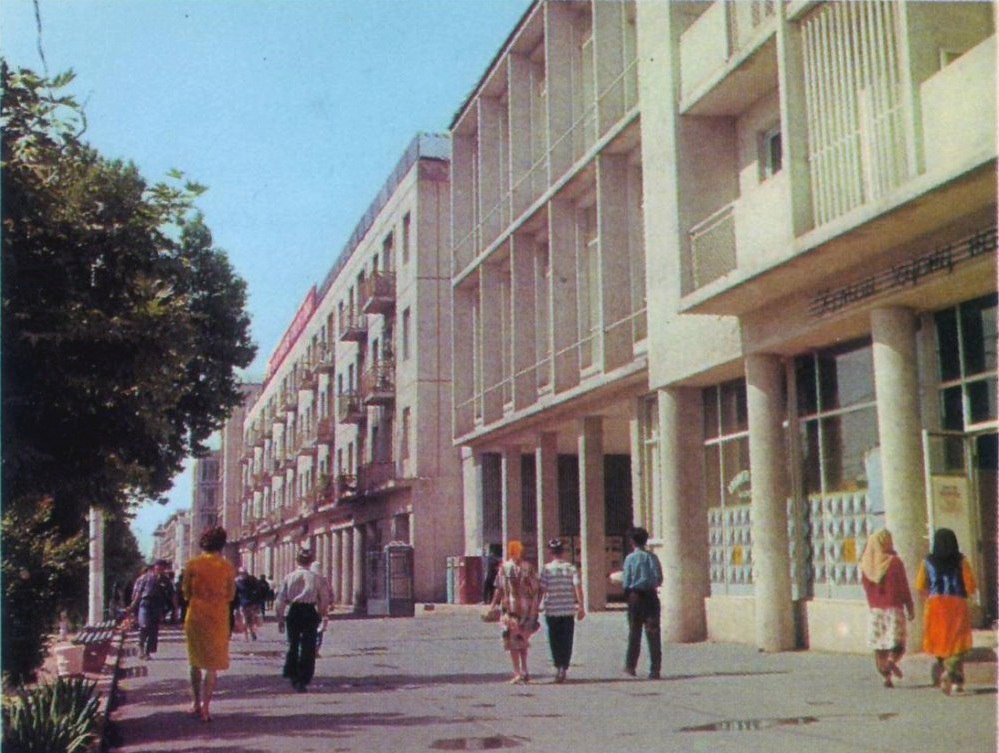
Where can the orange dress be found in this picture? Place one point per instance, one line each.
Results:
(209, 586)
(946, 622)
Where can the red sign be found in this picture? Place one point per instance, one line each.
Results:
(291, 335)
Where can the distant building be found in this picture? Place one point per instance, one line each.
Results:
(206, 496)
(348, 446)
(172, 540)
(231, 455)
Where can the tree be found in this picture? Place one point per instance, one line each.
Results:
(122, 324)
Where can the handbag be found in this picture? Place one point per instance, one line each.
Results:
(492, 614)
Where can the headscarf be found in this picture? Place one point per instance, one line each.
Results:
(946, 555)
(514, 549)
(877, 555)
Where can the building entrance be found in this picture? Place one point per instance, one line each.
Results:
(961, 478)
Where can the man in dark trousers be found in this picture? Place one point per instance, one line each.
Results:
(304, 595)
(642, 576)
(152, 597)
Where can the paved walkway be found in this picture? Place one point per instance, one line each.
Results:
(438, 682)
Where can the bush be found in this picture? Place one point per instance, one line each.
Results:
(43, 572)
(59, 717)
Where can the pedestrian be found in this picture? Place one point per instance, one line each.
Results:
(305, 597)
(178, 589)
(562, 601)
(489, 575)
(152, 598)
(317, 569)
(247, 598)
(266, 594)
(517, 591)
(641, 578)
(209, 586)
(889, 603)
(946, 581)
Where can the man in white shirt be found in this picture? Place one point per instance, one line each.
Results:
(305, 596)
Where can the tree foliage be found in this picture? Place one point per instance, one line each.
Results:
(122, 329)
(122, 324)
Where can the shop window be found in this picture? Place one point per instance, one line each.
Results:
(966, 352)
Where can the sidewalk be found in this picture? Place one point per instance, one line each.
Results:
(438, 682)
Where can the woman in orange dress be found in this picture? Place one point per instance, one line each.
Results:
(946, 581)
(209, 586)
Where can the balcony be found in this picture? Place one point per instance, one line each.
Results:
(350, 409)
(378, 382)
(376, 475)
(346, 486)
(325, 431)
(378, 293)
(324, 361)
(353, 327)
(289, 400)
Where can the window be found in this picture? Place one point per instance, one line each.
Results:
(406, 237)
(966, 351)
(404, 435)
(728, 485)
(406, 324)
(771, 153)
(387, 245)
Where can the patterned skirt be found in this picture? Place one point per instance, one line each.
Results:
(886, 628)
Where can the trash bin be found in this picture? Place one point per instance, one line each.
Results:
(470, 580)
(391, 585)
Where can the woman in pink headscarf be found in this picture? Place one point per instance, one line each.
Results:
(517, 591)
(890, 602)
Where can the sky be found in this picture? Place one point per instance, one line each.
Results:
(293, 113)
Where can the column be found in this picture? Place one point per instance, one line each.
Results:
(591, 512)
(471, 475)
(896, 380)
(686, 580)
(347, 574)
(336, 565)
(513, 495)
(95, 612)
(546, 474)
(771, 561)
(358, 580)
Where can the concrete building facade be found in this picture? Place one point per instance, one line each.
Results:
(172, 540)
(348, 448)
(807, 192)
(231, 456)
(206, 496)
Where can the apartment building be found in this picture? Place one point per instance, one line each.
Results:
(348, 448)
(728, 270)
(172, 540)
(231, 471)
(821, 235)
(548, 274)
(206, 496)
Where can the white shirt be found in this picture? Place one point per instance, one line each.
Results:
(302, 586)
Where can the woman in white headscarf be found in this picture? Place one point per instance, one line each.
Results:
(890, 602)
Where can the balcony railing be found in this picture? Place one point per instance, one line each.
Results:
(378, 293)
(353, 327)
(350, 409)
(712, 248)
(376, 475)
(324, 361)
(346, 485)
(378, 382)
(324, 431)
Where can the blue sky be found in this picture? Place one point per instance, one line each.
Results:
(293, 114)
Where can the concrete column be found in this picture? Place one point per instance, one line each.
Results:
(347, 574)
(592, 525)
(336, 565)
(95, 612)
(684, 519)
(358, 569)
(767, 461)
(471, 476)
(546, 474)
(896, 381)
(513, 495)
